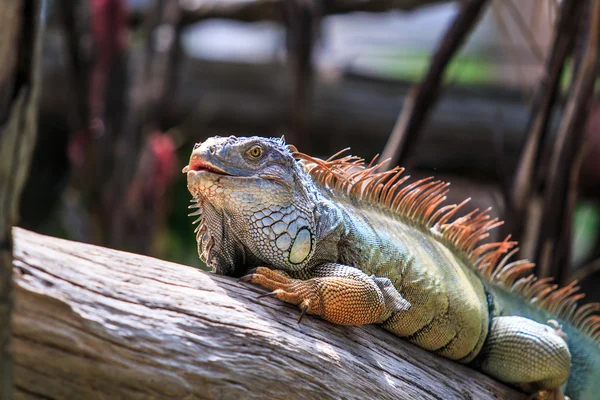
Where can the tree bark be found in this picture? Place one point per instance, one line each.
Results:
(19, 50)
(97, 323)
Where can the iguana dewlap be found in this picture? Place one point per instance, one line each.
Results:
(358, 246)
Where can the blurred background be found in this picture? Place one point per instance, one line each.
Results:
(499, 97)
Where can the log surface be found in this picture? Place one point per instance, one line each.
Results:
(96, 323)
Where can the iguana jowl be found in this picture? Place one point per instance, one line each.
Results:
(357, 246)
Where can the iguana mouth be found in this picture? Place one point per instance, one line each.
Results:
(200, 165)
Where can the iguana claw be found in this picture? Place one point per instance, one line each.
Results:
(270, 294)
(283, 287)
(304, 307)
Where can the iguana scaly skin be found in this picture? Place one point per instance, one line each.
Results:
(357, 246)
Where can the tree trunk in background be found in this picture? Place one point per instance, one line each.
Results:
(19, 55)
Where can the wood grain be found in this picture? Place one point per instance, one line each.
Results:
(96, 323)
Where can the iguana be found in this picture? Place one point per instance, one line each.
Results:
(355, 245)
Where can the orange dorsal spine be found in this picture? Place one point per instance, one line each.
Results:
(420, 204)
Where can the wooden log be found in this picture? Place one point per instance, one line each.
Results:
(91, 322)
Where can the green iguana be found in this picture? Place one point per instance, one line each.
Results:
(357, 246)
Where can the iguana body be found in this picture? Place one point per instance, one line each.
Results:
(355, 246)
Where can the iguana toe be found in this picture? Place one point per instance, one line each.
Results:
(283, 287)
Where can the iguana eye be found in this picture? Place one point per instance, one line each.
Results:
(255, 151)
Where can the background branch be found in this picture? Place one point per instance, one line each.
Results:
(273, 10)
(423, 97)
(554, 243)
(541, 111)
(20, 33)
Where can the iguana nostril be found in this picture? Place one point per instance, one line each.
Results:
(212, 149)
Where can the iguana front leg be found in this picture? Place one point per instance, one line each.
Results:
(337, 293)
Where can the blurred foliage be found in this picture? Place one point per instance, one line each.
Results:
(412, 66)
(586, 229)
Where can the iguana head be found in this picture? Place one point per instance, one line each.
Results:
(256, 204)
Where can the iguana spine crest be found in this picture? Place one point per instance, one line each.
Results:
(420, 204)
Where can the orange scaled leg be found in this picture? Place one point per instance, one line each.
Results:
(340, 294)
